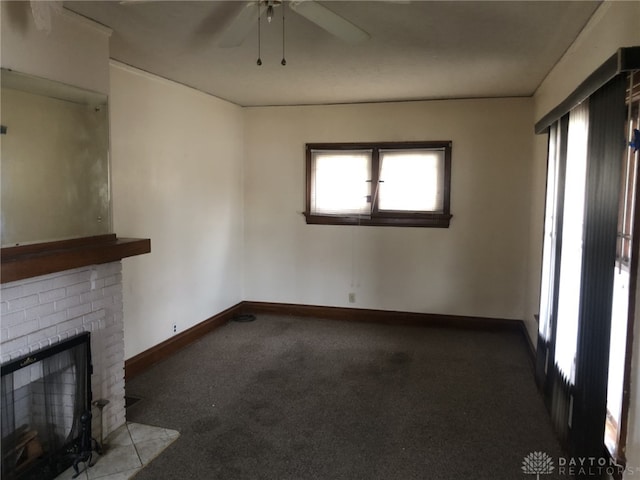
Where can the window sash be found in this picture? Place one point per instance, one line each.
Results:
(340, 183)
(411, 180)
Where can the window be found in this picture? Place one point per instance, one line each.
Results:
(550, 248)
(625, 277)
(572, 242)
(393, 184)
(590, 302)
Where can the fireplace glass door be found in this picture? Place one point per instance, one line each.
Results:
(43, 396)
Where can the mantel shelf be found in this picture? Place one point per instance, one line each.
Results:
(27, 261)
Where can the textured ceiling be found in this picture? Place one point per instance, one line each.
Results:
(417, 50)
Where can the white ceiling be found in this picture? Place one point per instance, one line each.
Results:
(417, 50)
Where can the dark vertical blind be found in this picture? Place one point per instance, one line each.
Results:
(605, 151)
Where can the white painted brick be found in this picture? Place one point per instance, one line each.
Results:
(79, 311)
(108, 269)
(116, 338)
(51, 295)
(12, 319)
(39, 346)
(93, 316)
(41, 285)
(78, 288)
(101, 303)
(39, 311)
(14, 345)
(11, 293)
(53, 319)
(113, 280)
(112, 290)
(40, 335)
(4, 335)
(110, 321)
(113, 358)
(112, 350)
(91, 296)
(67, 302)
(21, 303)
(23, 328)
(4, 308)
(69, 279)
(18, 354)
(117, 386)
(74, 325)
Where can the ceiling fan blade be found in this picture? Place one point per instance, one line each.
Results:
(239, 28)
(328, 20)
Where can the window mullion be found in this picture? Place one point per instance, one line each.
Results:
(375, 180)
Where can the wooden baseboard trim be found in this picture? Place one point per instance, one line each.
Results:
(383, 316)
(141, 362)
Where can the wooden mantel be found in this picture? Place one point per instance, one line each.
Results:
(27, 261)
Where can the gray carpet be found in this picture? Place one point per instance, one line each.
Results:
(300, 398)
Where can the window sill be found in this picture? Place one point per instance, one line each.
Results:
(425, 221)
(27, 261)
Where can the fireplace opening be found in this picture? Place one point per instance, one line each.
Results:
(44, 395)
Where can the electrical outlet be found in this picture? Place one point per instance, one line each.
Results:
(175, 328)
(352, 297)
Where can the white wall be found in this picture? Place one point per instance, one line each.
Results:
(177, 178)
(614, 25)
(75, 50)
(476, 267)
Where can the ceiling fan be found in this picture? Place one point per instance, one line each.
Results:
(239, 28)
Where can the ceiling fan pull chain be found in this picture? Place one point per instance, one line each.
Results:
(259, 61)
(284, 6)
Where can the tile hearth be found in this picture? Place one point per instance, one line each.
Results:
(128, 450)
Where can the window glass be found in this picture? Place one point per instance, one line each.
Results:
(411, 180)
(550, 234)
(572, 238)
(340, 183)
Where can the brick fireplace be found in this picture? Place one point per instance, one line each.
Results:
(41, 311)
